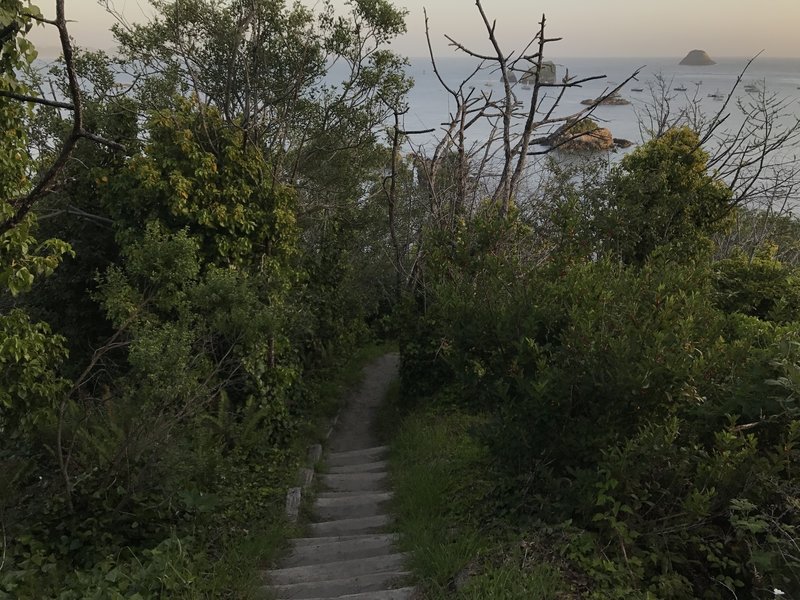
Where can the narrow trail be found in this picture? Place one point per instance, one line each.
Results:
(349, 553)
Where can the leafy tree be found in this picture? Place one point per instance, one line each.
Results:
(29, 353)
(662, 194)
(636, 390)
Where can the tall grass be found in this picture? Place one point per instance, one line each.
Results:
(445, 513)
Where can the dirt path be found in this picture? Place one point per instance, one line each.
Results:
(348, 553)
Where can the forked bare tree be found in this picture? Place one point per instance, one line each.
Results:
(48, 178)
(537, 113)
(524, 121)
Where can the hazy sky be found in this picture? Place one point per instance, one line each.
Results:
(589, 27)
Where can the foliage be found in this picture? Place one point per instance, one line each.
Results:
(662, 193)
(761, 287)
(444, 482)
(149, 440)
(754, 230)
(30, 355)
(640, 396)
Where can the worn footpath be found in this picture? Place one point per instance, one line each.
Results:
(349, 553)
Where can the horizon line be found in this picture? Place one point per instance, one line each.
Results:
(644, 56)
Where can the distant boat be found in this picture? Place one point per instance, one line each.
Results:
(637, 89)
(680, 88)
(716, 95)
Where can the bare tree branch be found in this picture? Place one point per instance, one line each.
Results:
(22, 206)
(36, 100)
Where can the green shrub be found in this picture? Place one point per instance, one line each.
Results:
(760, 286)
(662, 194)
(642, 395)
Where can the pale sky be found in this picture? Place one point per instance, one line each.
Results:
(589, 27)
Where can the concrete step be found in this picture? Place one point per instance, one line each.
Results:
(340, 548)
(350, 526)
(355, 457)
(341, 569)
(356, 482)
(367, 467)
(405, 593)
(335, 588)
(351, 507)
(350, 498)
(310, 541)
(355, 494)
(356, 511)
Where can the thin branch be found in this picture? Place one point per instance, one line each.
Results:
(74, 210)
(36, 100)
(103, 141)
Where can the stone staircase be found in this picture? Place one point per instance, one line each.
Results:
(348, 553)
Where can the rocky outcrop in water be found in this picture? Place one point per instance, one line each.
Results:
(584, 136)
(697, 58)
(581, 136)
(613, 100)
(591, 141)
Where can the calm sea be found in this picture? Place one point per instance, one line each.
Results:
(430, 104)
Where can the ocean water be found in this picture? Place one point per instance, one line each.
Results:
(430, 104)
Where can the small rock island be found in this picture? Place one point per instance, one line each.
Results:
(611, 100)
(584, 135)
(697, 58)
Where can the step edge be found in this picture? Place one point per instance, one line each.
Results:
(306, 541)
(392, 574)
(362, 595)
(337, 564)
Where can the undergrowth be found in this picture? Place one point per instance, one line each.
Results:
(226, 525)
(449, 514)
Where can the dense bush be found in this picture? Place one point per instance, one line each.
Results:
(642, 393)
(760, 286)
(199, 365)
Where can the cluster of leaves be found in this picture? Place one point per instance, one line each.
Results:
(643, 394)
